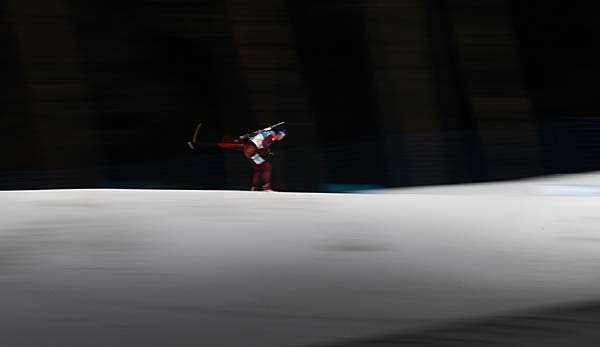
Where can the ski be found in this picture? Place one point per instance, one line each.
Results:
(191, 143)
(196, 132)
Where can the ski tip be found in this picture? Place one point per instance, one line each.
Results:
(190, 144)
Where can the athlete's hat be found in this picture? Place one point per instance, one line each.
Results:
(280, 130)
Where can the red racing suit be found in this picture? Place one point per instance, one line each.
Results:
(255, 149)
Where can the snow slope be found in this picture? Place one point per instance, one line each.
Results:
(229, 268)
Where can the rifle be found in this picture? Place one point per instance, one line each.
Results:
(248, 135)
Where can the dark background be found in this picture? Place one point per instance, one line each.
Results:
(105, 93)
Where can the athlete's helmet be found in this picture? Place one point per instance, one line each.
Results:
(280, 131)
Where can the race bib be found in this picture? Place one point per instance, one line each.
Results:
(257, 159)
(258, 140)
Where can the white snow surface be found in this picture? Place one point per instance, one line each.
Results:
(232, 268)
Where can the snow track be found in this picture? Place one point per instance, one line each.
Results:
(228, 268)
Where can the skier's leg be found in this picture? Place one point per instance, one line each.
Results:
(249, 150)
(256, 179)
(231, 146)
(250, 154)
(266, 175)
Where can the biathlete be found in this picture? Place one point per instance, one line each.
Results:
(256, 147)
